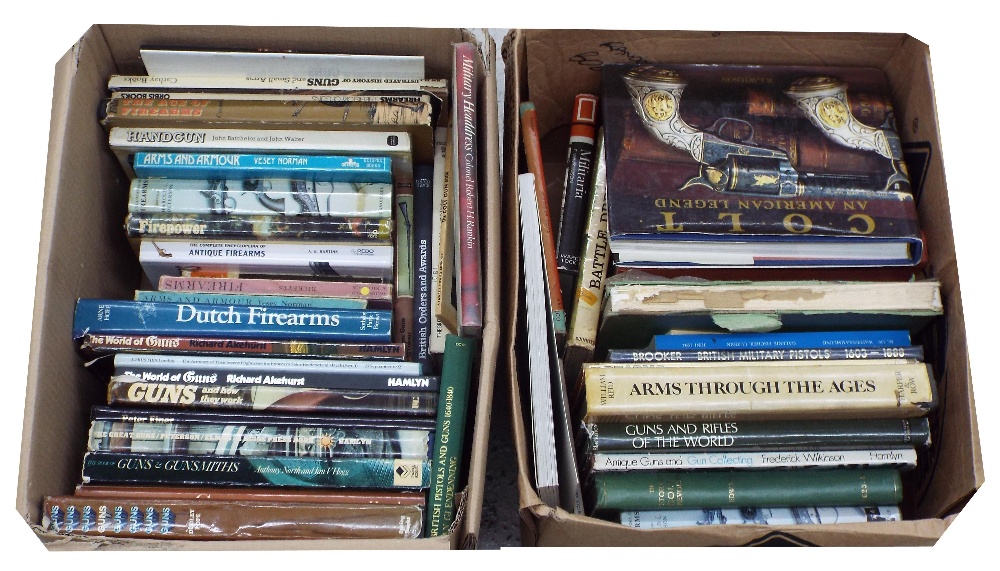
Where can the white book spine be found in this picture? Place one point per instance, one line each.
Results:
(901, 458)
(160, 63)
(260, 197)
(330, 97)
(273, 364)
(135, 139)
(172, 257)
(664, 519)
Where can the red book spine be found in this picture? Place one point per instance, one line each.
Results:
(467, 195)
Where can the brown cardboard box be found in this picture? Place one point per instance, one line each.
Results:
(85, 186)
(551, 66)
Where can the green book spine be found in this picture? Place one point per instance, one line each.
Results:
(638, 491)
(446, 456)
(759, 435)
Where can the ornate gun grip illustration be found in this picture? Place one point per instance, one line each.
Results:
(824, 101)
(656, 95)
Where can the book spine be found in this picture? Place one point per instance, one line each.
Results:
(208, 166)
(248, 300)
(92, 345)
(173, 83)
(855, 433)
(306, 379)
(280, 114)
(449, 435)
(423, 216)
(403, 326)
(125, 517)
(445, 307)
(580, 161)
(665, 519)
(108, 316)
(581, 336)
(131, 140)
(441, 239)
(259, 439)
(466, 189)
(259, 197)
(265, 364)
(228, 470)
(656, 490)
(899, 458)
(128, 391)
(371, 292)
(160, 257)
(533, 155)
(326, 228)
(413, 98)
(655, 392)
(138, 416)
(797, 340)
(258, 495)
(913, 352)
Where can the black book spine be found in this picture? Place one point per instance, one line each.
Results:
(307, 379)
(423, 220)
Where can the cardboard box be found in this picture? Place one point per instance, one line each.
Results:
(86, 187)
(552, 66)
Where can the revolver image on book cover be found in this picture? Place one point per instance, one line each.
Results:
(745, 167)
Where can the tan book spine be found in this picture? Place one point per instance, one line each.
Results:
(657, 392)
(206, 519)
(444, 309)
(582, 334)
(442, 149)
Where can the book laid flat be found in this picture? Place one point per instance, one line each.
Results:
(262, 65)
(755, 166)
(855, 433)
(757, 391)
(656, 490)
(119, 316)
(638, 306)
(154, 518)
(663, 519)
(126, 390)
(233, 470)
(173, 256)
(260, 196)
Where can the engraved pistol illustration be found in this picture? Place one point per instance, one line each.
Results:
(741, 166)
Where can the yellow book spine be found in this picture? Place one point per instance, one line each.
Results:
(618, 392)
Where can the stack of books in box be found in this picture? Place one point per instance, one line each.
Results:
(701, 366)
(279, 374)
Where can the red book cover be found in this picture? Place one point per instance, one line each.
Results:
(468, 257)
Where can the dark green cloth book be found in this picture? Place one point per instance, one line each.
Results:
(446, 456)
(639, 491)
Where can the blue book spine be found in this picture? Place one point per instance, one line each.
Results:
(255, 300)
(325, 168)
(423, 220)
(796, 340)
(114, 316)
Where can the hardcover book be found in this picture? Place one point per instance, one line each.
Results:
(258, 197)
(744, 166)
(638, 306)
(377, 295)
(757, 391)
(97, 346)
(664, 519)
(468, 257)
(123, 516)
(127, 390)
(268, 227)
(116, 316)
(343, 259)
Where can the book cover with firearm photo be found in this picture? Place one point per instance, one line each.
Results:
(722, 165)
